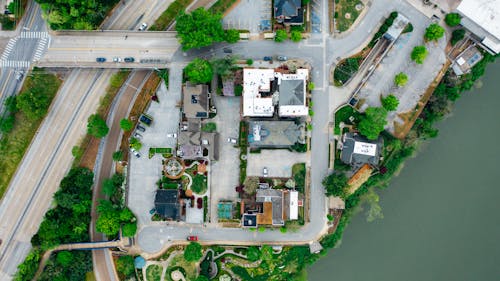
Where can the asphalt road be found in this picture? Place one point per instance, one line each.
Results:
(28, 44)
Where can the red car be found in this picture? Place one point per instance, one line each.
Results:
(192, 238)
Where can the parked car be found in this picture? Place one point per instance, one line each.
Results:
(146, 119)
(19, 76)
(152, 211)
(172, 135)
(137, 136)
(143, 26)
(129, 59)
(136, 153)
(265, 172)
(100, 59)
(141, 128)
(117, 59)
(232, 140)
(267, 58)
(282, 58)
(227, 50)
(192, 238)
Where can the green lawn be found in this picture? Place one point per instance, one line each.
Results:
(343, 7)
(153, 272)
(169, 15)
(299, 175)
(342, 115)
(221, 6)
(199, 185)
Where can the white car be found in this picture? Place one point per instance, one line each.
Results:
(172, 135)
(137, 136)
(265, 172)
(136, 153)
(143, 26)
(117, 59)
(231, 140)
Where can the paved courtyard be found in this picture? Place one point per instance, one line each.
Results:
(279, 162)
(145, 172)
(252, 15)
(224, 173)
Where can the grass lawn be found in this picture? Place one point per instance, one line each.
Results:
(153, 272)
(169, 15)
(299, 175)
(199, 185)
(343, 7)
(221, 6)
(342, 115)
(189, 267)
(13, 145)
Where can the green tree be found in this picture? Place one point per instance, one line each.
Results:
(452, 19)
(390, 102)
(11, 103)
(108, 187)
(336, 185)
(310, 86)
(224, 66)
(419, 54)
(7, 123)
(125, 265)
(296, 36)
(401, 79)
(253, 254)
(135, 144)
(126, 215)
(232, 36)
(249, 61)
(97, 126)
(373, 122)
(201, 28)
(126, 124)
(77, 151)
(64, 258)
(192, 252)
(129, 229)
(199, 71)
(433, 32)
(117, 155)
(280, 35)
(266, 252)
(202, 278)
(108, 223)
(456, 36)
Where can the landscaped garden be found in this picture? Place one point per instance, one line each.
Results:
(153, 272)
(198, 174)
(346, 13)
(342, 115)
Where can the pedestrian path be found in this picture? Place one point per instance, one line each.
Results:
(34, 34)
(9, 48)
(42, 46)
(14, 64)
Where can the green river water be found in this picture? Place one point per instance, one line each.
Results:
(442, 213)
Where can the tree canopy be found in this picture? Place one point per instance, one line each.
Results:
(199, 71)
(192, 252)
(400, 79)
(126, 124)
(253, 254)
(433, 32)
(452, 19)
(336, 185)
(373, 122)
(199, 29)
(419, 54)
(456, 36)
(35, 99)
(232, 36)
(390, 102)
(96, 126)
(296, 36)
(281, 35)
(125, 265)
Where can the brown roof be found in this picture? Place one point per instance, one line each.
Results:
(267, 216)
(360, 177)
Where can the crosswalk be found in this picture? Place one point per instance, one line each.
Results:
(34, 34)
(42, 46)
(14, 64)
(9, 48)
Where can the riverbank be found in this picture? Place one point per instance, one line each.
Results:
(439, 211)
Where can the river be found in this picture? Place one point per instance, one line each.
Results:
(442, 213)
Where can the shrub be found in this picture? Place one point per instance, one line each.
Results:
(125, 265)
(419, 54)
(280, 35)
(192, 252)
(390, 103)
(97, 126)
(456, 36)
(433, 32)
(296, 36)
(249, 61)
(126, 124)
(452, 19)
(401, 79)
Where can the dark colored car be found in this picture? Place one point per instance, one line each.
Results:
(100, 59)
(146, 119)
(192, 238)
(227, 50)
(129, 59)
(282, 58)
(141, 128)
(267, 58)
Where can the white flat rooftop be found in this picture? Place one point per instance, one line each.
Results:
(254, 82)
(365, 148)
(485, 13)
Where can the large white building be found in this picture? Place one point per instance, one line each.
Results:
(482, 18)
(265, 89)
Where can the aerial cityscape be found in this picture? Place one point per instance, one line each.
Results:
(220, 139)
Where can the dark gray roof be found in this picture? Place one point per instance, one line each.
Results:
(167, 203)
(292, 92)
(250, 220)
(287, 8)
(357, 160)
(275, 134)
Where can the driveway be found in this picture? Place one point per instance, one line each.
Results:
(145, 172)
(268, 158)
(252, 15)
(224, 173)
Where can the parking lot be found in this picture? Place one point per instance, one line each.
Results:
(252, 15)
(145, 172)
(225, 172)
(381, 82)
(278, 162)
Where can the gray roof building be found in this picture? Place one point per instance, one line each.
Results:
(289, 11)
(275, 134)
(292, 92)
(358, 150)
(195, 101)
(167, 203)
(276, 198)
